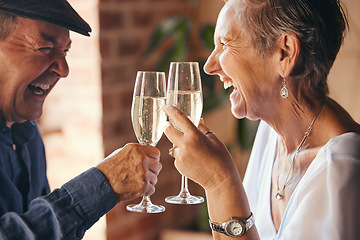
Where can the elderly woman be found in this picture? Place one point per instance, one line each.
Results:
(303, 177)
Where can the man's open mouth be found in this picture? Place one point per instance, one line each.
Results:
(38, 88)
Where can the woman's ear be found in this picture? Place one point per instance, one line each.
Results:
(288, 49)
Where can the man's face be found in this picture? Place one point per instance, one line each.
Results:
(32, 60)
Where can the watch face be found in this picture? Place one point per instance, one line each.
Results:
(234, 228)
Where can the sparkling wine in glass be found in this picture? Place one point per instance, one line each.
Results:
(184, 92)
(148, 121)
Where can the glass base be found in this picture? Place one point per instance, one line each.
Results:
(184, 199)
(145, 207)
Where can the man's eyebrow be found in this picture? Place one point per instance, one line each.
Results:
(69, 44)
(51, 39)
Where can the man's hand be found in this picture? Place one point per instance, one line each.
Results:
(132, 170)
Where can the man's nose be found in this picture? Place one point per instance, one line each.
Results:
(60, 66)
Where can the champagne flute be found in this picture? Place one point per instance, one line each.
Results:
(184, 92)
(148, 120)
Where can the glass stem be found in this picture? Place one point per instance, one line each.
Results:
(145, 201)
(184, 187)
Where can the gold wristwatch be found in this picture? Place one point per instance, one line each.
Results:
(234, 227)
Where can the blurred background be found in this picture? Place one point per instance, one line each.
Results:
(87, 116)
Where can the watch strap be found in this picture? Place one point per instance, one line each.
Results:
(249, 222)
(217, 227)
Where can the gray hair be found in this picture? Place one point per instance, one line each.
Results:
(320, 26)
(8, 24)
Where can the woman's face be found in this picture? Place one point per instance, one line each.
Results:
(234, 59)
(33, 59)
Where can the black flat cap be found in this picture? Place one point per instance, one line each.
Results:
(58, 12)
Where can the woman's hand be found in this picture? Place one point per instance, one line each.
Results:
(199, 156)
(203, 158)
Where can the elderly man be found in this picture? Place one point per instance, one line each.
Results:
(34, 40)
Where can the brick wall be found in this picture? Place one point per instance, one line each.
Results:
(71, 123)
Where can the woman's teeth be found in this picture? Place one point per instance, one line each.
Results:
(228, 84)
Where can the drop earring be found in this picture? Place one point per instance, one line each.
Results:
(284, 92)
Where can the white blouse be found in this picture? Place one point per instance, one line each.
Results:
(325, 204)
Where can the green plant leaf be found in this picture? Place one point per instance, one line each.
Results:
(246, 133)
(176, 28)
(207, 36)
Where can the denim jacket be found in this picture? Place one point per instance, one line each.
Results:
(27, 209)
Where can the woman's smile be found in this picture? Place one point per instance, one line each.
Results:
(228, 83)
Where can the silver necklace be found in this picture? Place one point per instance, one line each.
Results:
(280, 193)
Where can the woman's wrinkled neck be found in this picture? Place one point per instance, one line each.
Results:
(294, 121)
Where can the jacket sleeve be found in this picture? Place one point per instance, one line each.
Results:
(65, 213)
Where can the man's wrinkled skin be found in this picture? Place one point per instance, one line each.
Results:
(132, 171)
(33, 60)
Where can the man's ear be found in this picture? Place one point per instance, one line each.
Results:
(288, 49)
